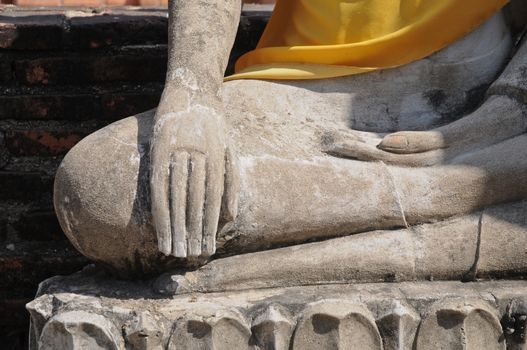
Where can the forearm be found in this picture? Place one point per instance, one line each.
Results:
(200, 37)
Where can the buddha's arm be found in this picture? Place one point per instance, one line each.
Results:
(188, 143)
(201, 34)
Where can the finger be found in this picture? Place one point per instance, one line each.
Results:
(159, 187)
(332, 136)
(214, 191)
(179, 172)
(368, 135)
(365, 152)
(336, 136)
(195, 204)
(405, 142)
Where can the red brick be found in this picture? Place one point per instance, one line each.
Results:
(44, 70)
(122, 2)
(41, 142)
(36, 72)
(111, 106)
(91, 3)
(31, 32)
(13, 264)
(151, 2)
(117, 30)
(132, 66)
(37, 107)
(117, 106)
(46, 107)
(38, 2)
(29, 107)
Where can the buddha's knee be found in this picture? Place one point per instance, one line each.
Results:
(101, 196)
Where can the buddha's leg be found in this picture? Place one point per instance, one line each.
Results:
(289, 191)
(487, 243)
(287, 200)
(101, 196)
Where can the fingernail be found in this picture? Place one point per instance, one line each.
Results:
(394, 142)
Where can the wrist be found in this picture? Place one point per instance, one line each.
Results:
(197, 80)
(177, 98)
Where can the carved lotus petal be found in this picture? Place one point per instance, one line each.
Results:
(79, 330)
(217, 330)
(461, 324)
(336, 325)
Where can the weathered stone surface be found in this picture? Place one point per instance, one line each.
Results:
(210, 328)
(85, 306)
(398, 326)
(512, 82)
(80, 330)
(461, 248)
(334, 324)
(461, 324)
(273, 328)
(145, 333)
(503, 236)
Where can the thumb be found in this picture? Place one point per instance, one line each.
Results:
(406, 142)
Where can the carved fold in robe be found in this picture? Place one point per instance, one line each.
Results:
(314, 39)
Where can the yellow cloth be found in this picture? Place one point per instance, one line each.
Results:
(313, 39)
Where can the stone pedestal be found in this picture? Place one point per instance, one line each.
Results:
(90, 311)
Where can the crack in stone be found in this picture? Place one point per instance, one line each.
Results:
(396, 194)
(478, 243)
(472, 273)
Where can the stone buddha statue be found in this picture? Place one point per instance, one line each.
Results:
(292, 175)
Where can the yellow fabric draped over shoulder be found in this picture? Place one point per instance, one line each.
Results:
(314, 39)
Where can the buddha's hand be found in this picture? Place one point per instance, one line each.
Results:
(498, 119)
(187, 173)
(408, 148)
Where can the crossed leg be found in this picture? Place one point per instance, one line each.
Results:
(289, 191)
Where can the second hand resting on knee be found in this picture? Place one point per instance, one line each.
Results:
(188, 145)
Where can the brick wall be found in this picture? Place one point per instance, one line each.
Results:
(64, 75)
